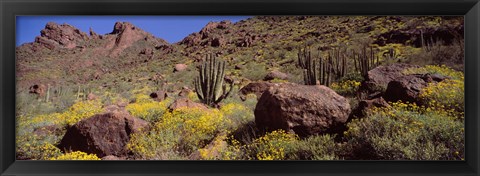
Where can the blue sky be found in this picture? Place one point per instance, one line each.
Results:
(170, 28)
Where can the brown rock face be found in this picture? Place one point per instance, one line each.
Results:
(218, 42)
(408, 88)
(127, 34)
(256, 88)
(378, 78)
(208, 32)
(147, 51)
(185, 102)
(192, 40)
(64, 36)
(305, 110)
(93, 34)
(102, 134)
(275, 74)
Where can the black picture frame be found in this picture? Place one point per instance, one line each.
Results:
(470, 9)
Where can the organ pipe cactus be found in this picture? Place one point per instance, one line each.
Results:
(324, 70)
(365, 61)
(209, 84)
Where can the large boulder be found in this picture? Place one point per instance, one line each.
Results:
(102, 134)
(408, 88)
(256, 88)
(305, 110)
(379, 77)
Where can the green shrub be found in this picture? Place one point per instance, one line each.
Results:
(347, 87)
(33, 147)
(314, 148)
(254, 71)
(406, 132)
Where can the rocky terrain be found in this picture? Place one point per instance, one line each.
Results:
(264, 88)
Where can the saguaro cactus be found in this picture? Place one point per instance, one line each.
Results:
(209, 84)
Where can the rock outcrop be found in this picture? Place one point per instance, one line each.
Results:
(408, 88)
(305, 110)
(379, 77)
(60, 36)
(102, 134)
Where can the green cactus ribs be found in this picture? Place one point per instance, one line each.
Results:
(209, 84)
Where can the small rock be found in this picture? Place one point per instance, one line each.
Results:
(91, 96)
(39, 89)
(185, 102)
(180, 67)
(184, 92)
(275, 75)
(159, 95)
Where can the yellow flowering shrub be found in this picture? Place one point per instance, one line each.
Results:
(347, 87)
(35, 148)
(406, 132)
(179, 132)
(194, 123)
(78, 111)
(77, 155)
(222, 150)
(448, 94)
(147, 108)
(271, 146)
(192, 96)
(81, 110)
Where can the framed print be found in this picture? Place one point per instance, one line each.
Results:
(238, 88)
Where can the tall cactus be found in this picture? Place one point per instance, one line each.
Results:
(303, 56)
(324, 70)
(310, 75)
(365, 61)
(209, 84)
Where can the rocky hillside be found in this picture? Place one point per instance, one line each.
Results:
(246, 90)
(63, 54)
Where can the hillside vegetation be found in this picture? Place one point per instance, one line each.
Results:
(264, 88)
